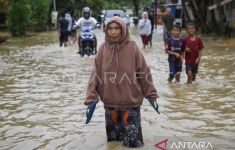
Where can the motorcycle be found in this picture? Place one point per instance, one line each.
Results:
(87, 42)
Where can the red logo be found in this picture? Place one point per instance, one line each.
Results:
(161, 145)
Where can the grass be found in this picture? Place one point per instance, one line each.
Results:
(32, 38)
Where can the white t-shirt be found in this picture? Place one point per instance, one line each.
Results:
(145, 27)
(86, 22)
(69, 18)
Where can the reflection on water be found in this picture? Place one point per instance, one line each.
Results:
(42, 89)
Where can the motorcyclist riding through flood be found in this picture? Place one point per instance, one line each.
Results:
(87, 41)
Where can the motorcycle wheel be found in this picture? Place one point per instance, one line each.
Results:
(82, 51)
(88, 52)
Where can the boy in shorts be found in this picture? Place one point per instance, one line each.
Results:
(175, 49)
(193, 52)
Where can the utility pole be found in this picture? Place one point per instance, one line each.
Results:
(54, 4)
(54, 14)
(155, 11)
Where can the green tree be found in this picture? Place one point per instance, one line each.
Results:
(96, 6)
(199, 9)
(19, 17)
(136, 4)
(76, 6)
(40, 11)
(4, 8)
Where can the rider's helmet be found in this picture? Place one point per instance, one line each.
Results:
(86, 12)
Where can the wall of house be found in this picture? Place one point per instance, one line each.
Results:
(230, 12)
(232, 17)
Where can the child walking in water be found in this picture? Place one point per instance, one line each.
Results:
(175, 49)
(193, 52)
(121, 79)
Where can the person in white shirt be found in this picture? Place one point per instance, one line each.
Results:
(86, 20)
(145, 29)
(69, 18)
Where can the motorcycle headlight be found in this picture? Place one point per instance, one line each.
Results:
(91, 37)
(87, 36)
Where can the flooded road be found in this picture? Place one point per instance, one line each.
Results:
(42, 89)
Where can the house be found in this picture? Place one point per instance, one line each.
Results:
(224, 7)
(230, 11)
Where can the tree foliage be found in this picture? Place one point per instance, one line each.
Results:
(4, 6)
(19, 17)
(4, 9)
(40, 10)
(98, 5)
(35, 14)
(199, 9)
(76, 6)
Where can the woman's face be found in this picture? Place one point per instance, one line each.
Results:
(114, 32)
(145, 16)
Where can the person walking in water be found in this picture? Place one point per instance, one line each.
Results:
(168, 20)
(193, 52)
(151, 18)
(145, 29)
(69, 19)
(120, 79)
(63, 30)
(175, 49)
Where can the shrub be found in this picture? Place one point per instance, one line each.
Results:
(19, 16)
(40, 11)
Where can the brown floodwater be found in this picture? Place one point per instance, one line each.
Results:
(42, 89)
